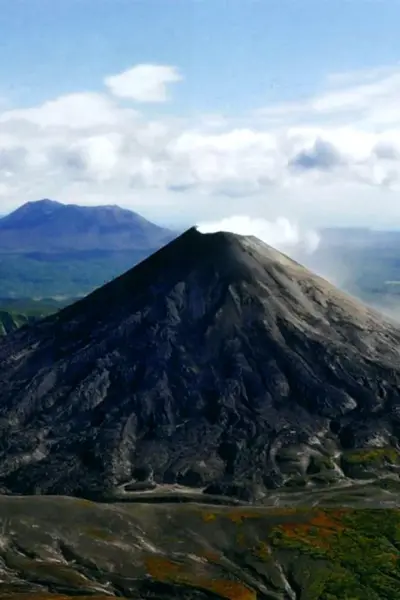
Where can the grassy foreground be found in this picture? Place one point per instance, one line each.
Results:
(62, 547)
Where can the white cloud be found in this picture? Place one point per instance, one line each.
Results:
(75, 111)
(282, 234)
(334, 156)
(368, 98)
(143, 83)
(94, 157)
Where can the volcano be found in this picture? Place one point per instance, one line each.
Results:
(218, 364)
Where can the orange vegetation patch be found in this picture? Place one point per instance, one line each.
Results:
(164, 570)
(233, 590)
(317, 531)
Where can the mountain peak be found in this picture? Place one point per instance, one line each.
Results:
(47, 226)
(216, 260)
(45, 204)
(37, 206)
(217, 363)
(197, 245)
(229, 251)
(29, 215)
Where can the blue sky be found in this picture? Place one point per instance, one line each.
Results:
(236, 53)
(201, 110)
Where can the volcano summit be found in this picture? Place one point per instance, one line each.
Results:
(218, 364)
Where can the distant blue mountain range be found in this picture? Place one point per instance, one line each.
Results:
(49, 226)
(49, 249)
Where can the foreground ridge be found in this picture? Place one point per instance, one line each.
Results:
(97, 551)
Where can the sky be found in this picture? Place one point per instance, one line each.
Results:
(198, 111)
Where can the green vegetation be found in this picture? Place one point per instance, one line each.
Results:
(66, 275)
(337, 554)
(70, 547)
(33, 286)
(366, 462)
(320, 464)
(35, 308)
(358, 552)
(373, 456)
(15, 313)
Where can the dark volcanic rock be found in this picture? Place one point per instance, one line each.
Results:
(218, 362)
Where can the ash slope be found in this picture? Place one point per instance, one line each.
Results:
(217, 363)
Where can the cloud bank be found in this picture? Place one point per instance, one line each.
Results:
(332, 158)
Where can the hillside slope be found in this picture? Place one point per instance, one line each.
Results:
(55, 548)
(218, 363)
